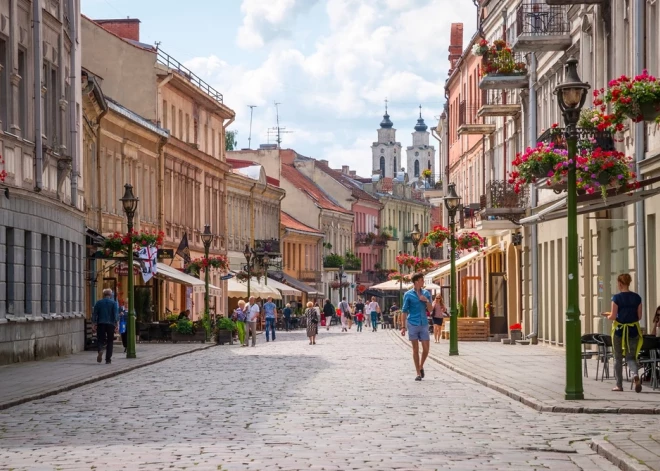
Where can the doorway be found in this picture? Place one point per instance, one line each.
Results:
(498, 317)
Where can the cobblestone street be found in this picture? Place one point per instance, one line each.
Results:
(348, 403)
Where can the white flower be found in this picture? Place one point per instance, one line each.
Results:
(476, 50)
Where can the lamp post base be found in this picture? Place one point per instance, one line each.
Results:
(574, 396)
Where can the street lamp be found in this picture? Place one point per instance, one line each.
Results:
(248, 267)
(571, 96)
(452, 202)
(207, 239)
(129, 201)
(400, 283)
(416, 236)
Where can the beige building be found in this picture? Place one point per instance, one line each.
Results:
(301, 255)
(192, 177)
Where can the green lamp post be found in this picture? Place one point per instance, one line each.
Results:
(207, 239)
(452, 202)
(248, 267)
(129, 201)
(571, 96)
(415, 236)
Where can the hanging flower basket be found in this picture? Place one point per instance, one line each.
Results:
(438, 235)
(426, 173)
(118, 243)
(535, 163)
(219, 262)
(498, 59)
(469, 241)
(396, 276)
(637, 98)
(406, 260)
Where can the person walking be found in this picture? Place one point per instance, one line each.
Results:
(105, 322)
(374, 310)
(253, 311)
(438, 313)
(345, 311)
(394, 312)
(416, 302)
(270, 310)
(328, 312)
(312, 322)
(240, 317)
(123, 323)
(287, 317)
(626, 332)
(359, 320)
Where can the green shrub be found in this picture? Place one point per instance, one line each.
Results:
(461, 310)
(172, 318)
(333, 261)
(184, 326)
(224, 323)
(475, 308)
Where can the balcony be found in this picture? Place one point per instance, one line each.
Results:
(501, 202)
(574, 2)
(364, 239)
(499, 103)
(430, 185)
(505, 72)
(269, 246)
(587, 138)
(171, 63)
(309, 276)
(541, 28)
(468, 122)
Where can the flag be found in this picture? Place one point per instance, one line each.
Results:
(184, 250)
(147, 257)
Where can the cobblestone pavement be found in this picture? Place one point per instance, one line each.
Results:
(347, 403)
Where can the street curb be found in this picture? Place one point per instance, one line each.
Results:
(530, 401)
(95, 379)
(616, 456)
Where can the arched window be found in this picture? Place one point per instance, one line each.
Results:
(417, 168)
(394, 168)
(382, 167)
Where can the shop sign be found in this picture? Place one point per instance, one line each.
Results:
(122, 269)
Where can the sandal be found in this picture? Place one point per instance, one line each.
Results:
(638, 384)
(617, 389)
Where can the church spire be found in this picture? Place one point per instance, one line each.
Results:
(386, 123)
(421, 126)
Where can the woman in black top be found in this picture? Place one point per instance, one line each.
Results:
(626, 332)
(328, 312)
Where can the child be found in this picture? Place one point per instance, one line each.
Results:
(359, 319)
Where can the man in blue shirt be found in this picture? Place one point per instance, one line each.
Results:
(415, 304)
(287, 317)
(105, 322)
(270, 309)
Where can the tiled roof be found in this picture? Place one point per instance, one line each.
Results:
(304, 184)
(388, 184)
(347, 182)
(241, 163)
(292, 223)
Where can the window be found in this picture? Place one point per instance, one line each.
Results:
(188, 128)
(27, 273)
(394, 168)
(180, 136)
(22, 92)
(382, 167)
(45, 259)
(51, 105)
(212, 142)
(164, 124)
(173, 129)
(417, 168)
(4, 86)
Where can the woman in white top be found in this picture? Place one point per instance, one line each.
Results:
(374, 310)
(437, 314)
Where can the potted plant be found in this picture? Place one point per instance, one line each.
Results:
(475, 309)
(481, 48)
(333, 260)
(396, 276)
(219, 262)
(488, 307)
(438, 235)
(515, 332)
(224, 331)
(535, 163)
(636, 98)
(469, 241)
(426, 173)
(187, 331)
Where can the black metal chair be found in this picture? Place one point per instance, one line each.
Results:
(605, 354)
(587, 339)
(649, 359)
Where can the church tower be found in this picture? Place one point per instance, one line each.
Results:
(386, 152)
(421, 155)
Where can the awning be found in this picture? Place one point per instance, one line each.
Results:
(299, 285)
(238, 289)
(286, 290)
(166, 272)
(541, 215)
(461, 263)
(393, 285)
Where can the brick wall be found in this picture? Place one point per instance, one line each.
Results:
(128, 28)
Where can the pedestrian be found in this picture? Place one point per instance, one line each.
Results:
(312, 322)
(287, 317)
(240, 317)
(105, 322)
(270, 310)
(655, 328)
(374, 310)
(394, 312)
(438, 313)
(345, 312)
(253, 311)
(359, 320)
(328, 312)
(123, 322)
(416, 302)
(626, 332)
(185, 315)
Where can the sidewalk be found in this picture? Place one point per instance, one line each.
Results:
(630, 452)
(535, 376)
(24, 382)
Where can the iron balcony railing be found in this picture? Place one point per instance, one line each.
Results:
(172, 63)
(540, 19)
(269, 246)
(500, 194)
(431, 182)
(587, 138)
(501, 97)
(309, 276)
(467, 113)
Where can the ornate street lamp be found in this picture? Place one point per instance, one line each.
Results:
(571, 96)
(452, 202)
(207, 239)
(130, 202)
(416, 236)
(248, 267)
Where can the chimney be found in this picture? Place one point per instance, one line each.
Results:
(352, 173)
(128, 28)
(455, 45)
(324, 162)
(344, 169)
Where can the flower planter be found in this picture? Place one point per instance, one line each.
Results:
(649, 111)
(199, 336)
(516, 335)
(224, 336)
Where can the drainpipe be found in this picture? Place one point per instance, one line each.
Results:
(534, 201)
(38, 59)
(640, 128)
(98, 169)
(73, 118)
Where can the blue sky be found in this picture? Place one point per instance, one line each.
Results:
(330, 63)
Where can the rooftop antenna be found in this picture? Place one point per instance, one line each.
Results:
(157, 43)
(278, 130)
(252, 107)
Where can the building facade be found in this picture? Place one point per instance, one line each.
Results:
(302, 248)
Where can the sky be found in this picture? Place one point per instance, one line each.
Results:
(330, 64)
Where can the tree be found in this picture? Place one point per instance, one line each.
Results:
(230, 140)
(475, 308)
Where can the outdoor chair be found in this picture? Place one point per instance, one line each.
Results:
(587, 339)
(604, 355)
(143, 332)
(650, 360)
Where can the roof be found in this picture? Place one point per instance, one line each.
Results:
(347, 182)
(292, 223)
(136, 118)
(304, 184)
(238, 164)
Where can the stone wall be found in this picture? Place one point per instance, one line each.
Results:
(34, 340)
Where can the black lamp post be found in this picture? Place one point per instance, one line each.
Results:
(207, 239)
(416, 236)
(129, 201)
(452, 202)
(571, 96)
(248, 267)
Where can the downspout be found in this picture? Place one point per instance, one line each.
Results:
(98, 169)
(640, 128)
(252, 214)
(504, 130)
(38, 59)
(73, 86)
(161, 183)
(532, 110)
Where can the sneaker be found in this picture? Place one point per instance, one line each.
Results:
(108, 362)
(99, 357)
(638, 384)
(419, 378)
(421, 372)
